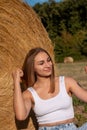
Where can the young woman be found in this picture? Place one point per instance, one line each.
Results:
(50, 97)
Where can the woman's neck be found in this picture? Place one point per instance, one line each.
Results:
(45, 81)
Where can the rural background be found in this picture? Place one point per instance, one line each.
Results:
(60, 27)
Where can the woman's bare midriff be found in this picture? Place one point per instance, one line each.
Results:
(58, 123)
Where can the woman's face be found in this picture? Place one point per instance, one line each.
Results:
(43, 65)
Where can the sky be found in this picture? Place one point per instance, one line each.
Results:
(33, 2)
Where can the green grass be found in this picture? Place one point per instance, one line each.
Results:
(76, 71)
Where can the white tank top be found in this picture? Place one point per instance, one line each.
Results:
(55, 109)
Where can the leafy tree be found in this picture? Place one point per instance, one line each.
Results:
(83, 46)
(66, 24)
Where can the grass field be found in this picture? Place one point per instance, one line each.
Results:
(76, 71)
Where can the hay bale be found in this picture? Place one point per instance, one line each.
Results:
(20, 30)
(68, 60)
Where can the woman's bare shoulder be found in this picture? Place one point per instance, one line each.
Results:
(70, 80)
(27, 94)
(67, 79)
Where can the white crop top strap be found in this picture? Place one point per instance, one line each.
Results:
(62, 84)
(33, 92)
(61, 81)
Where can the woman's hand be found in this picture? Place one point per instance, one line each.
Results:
(17, 74)
(86, 68)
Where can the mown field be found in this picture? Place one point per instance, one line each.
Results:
(76, 70)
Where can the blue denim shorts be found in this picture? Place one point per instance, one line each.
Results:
(83, 127)
(69, 126)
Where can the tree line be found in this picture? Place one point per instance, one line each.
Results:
(66, 24)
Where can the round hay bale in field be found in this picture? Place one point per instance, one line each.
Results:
(68, 60)
(20, 30)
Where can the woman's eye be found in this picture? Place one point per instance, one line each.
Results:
(41, 63)
(49, 59)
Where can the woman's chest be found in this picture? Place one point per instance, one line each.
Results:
(58, 102)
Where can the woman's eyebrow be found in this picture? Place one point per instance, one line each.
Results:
(42, 60)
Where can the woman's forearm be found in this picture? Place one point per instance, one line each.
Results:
(19, 103)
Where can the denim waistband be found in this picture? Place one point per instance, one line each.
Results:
(68, 124)
(59, 127)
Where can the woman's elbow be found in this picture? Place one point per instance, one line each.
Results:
(21, 117)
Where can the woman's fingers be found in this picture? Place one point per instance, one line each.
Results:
(17, 74)
(86, 68)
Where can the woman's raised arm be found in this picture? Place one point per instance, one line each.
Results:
(21, 101)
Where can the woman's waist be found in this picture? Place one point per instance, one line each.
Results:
(66, 122)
